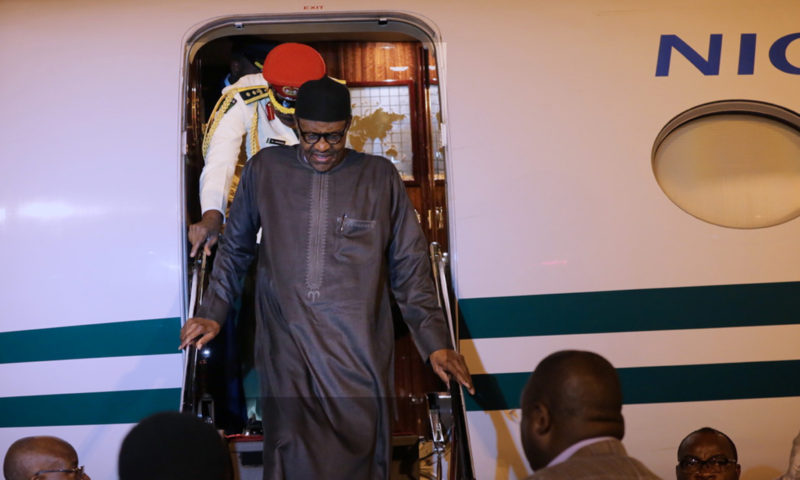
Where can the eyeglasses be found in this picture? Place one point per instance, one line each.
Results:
(312, 138)
(715, 464)
(78, 471)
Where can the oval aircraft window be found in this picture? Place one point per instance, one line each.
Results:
(733, 163)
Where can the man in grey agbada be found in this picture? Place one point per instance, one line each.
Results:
(340, 237)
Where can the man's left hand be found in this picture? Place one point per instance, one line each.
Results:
(447, 363)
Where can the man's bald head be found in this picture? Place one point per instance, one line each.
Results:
(571, 396)
(28, 455)
(576, 385)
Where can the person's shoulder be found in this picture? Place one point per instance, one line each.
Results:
(274, 153)
(267, 162)
(247, 81)
(605, 460)
(618, 468)
(376, 162)
(250, 88)
(644, 472)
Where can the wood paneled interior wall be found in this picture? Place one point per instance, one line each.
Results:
(370, 61)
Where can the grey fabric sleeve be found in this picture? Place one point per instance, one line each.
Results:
(411, 278)
(236, 250)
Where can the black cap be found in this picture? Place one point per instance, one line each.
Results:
(323, 100)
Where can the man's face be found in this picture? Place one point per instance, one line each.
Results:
(703, 457)
(321, 152)
(535, 444)
(529, 443)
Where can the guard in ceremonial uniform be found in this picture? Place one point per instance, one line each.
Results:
(258, 109)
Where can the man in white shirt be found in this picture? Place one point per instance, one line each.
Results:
(259, 108)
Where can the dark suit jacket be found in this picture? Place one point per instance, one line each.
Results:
(605, 460)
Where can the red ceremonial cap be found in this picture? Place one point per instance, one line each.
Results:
(290, 65)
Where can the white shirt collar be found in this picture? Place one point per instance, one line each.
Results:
(563, 456)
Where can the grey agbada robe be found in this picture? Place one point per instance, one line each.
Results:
(333, 246)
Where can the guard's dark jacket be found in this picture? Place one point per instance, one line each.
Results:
(332, 247)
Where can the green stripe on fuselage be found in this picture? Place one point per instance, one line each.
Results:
(641, 385)
(97, 408)
(631, 310)
(118, 339)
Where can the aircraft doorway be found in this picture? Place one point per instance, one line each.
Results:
(390, 66)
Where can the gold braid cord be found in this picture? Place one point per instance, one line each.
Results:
(254, 133)
(278, 106)
(219, 111)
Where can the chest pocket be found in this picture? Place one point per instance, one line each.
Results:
(356, 240)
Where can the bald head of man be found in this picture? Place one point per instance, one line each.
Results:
(29, 456)
(571, 396)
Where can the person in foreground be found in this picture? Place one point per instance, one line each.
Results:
(340, 237)
(572, 420)
(174, 446)
(40, 458)
(707, 454)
